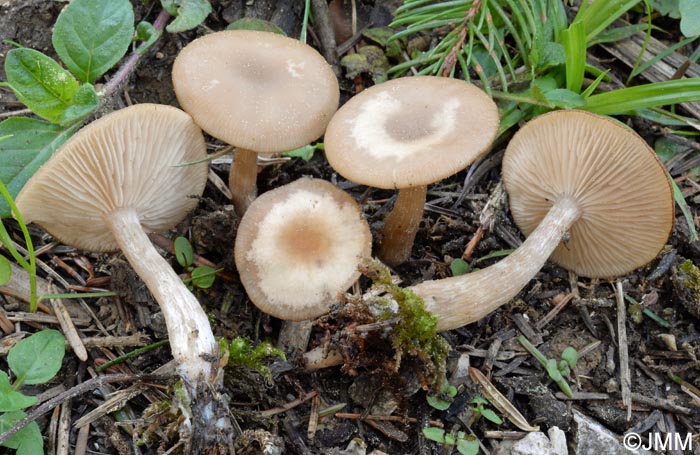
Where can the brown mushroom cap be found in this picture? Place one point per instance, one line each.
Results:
(411, 131)
(299, 246)
(256, 90)
(123, 160)
(613, 175)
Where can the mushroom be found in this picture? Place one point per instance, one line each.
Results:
(405, 134)
(587, 191)
(112, 182)
(259, 91)
(298, 246)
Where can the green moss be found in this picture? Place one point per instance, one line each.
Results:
(242, 353)
(691, 278)
(416, 335)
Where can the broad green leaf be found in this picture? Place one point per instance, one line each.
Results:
(84, 102)
(183, 251)
(203, 276)
(251, 23)
(459, 267)
(32, 142)
(189, 13)
(37, 359)
(563, 98)
(5, 270)
(91, 36)
(11, 400)
(28, 440)
(467, 447)
(666, 7)
(690, 17)
(434, 434)
(570, 356)
(146, 32)
(40, 83)
(305, 153)
(491, 416)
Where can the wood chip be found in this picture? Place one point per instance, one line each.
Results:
(69, 330)
(625, 378)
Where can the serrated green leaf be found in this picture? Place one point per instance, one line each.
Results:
(91, 36)
(11, 400)
(251, 23)
(85, 101)
(189, 13)
(146, 32)
(32, 142)
(434, 434)
(183, 251)
(37, 359)
(5, 270)
(27, 438)
(40, 83)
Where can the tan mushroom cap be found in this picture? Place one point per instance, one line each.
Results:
(411, 131)
(256, 90)
(615, 177)
(299, 246)
(125, 159)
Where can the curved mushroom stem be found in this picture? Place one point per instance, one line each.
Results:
(192, 341)
(460, 300)
(242, 179)
(464, 299)
(401, 226)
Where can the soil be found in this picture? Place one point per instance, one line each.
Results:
(368, 384)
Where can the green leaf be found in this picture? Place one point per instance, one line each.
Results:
(146, 32)
(5, 270)
(28, 440)
(203, 276)
(37, 359)
(91, 36)
(644, 96)
(40, 83)
(85, 101)
(467, 447)
(478, 400)
(564, 98)
(553, 370)
(434, 434)
(690, 17)
(666, 7)
(491, 416)
(251, 23)
(574, 40)
(11, 400)
(459, 267)
(32, 142)
(305, 153)
(190, 13)
(183, 252)
(570, 356)
(680, 200)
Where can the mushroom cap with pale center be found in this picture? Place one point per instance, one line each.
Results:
(411, 131)
(622, 190)
(125, 160)
(299, 246)
(257, 90)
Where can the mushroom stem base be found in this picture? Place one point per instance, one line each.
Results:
(401, 226)
(191, 339)
(242, 179)
(467, 298)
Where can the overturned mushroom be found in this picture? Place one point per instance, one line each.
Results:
(114, 181)
(259, 91)
(299, 246)
(405, 134)
(587, 191)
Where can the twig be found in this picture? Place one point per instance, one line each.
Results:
(286, 407)
(357, 416)
(625, 380)
(451, 59)
(15, 113)
(68, 328)
(78, 390)
(659, 403)
(120, 77)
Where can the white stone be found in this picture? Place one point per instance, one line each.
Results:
(558, 440)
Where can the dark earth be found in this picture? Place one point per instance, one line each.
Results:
(368, 384)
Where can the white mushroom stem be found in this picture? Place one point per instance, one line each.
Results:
(460, 300)
(242, 179)
(464, 299)
(191, 339)
(401, 226)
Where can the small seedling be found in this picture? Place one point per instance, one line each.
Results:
(200, 277)
(34, 360)
(465, 444)
(443, 399)
(477, 404)
(556, 370)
